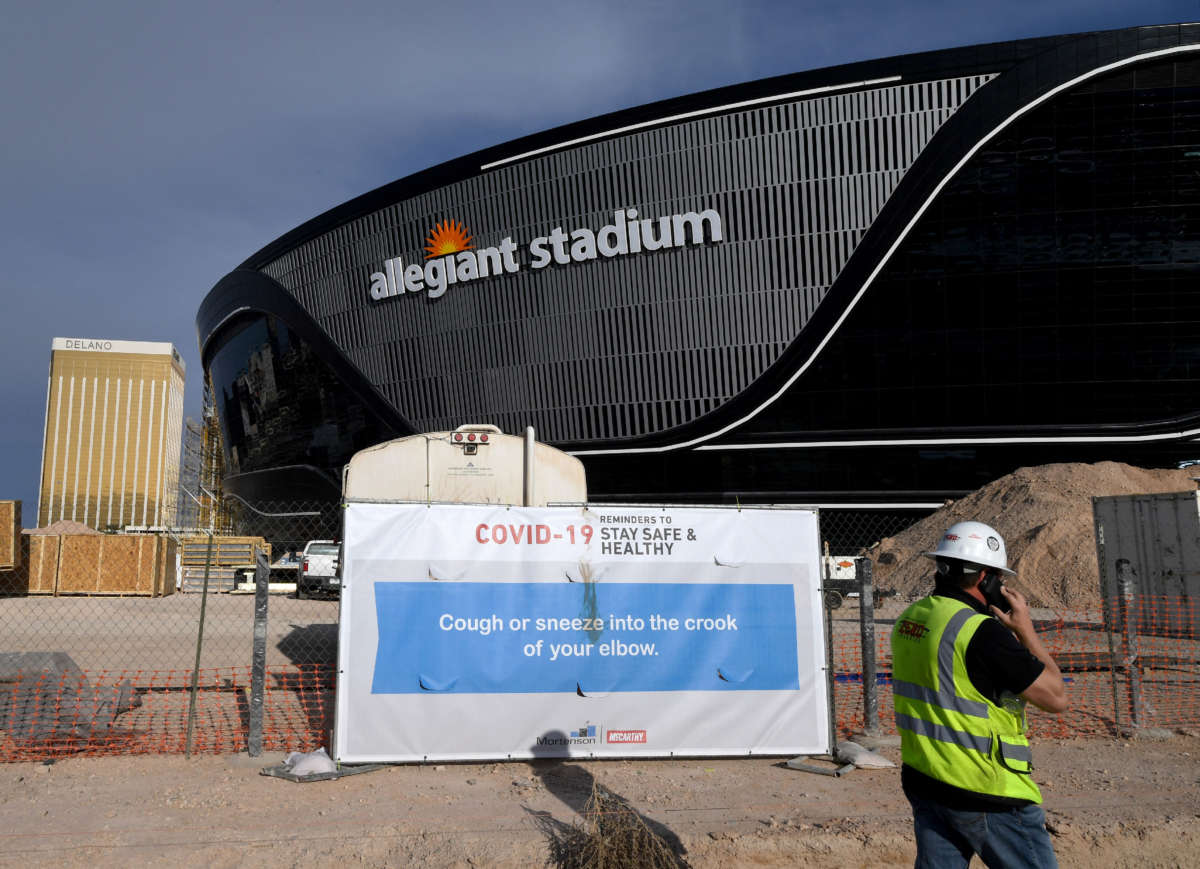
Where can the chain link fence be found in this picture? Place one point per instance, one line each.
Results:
(182, 641)
(140, 643)
(1126, 668)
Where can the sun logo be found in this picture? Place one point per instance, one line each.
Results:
(449, 236)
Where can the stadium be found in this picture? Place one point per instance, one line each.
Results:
(877, 285)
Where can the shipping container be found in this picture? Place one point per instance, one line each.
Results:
(1148, 549)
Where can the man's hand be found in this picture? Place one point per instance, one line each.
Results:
(1019, 621)
(1048, 691)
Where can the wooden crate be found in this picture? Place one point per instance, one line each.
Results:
(10, 535)
(165, 574)
(126, 564)
(147, 563)
(79, 564)
(116, 564)
(42, 572)
(16, 581)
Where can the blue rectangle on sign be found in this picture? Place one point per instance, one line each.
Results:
(594, 638)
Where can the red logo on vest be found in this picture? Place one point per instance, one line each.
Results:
(912, 630)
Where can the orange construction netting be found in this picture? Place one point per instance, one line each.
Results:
(147, 712)
(1145, 672)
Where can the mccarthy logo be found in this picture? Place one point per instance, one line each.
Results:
(450, 257)
(623, 736)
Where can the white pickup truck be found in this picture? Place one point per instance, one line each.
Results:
(319, 571)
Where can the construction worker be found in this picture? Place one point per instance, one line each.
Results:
(966, 659)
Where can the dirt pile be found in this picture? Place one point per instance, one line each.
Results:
(1045, 516)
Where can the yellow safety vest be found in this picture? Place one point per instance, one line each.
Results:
(948, 730)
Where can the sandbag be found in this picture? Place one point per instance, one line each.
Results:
(862, 758)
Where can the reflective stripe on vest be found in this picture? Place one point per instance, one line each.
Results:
(982, 744)
(948, 729)
(945, 697)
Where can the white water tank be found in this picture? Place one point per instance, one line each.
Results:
(474, 464)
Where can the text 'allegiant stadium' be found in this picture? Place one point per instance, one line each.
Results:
(453, 260)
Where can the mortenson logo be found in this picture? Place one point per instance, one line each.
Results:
(585, 735)
(452, 259)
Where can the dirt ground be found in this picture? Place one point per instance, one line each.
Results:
(1109, 803)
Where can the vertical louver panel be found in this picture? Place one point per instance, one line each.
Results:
(623, 347)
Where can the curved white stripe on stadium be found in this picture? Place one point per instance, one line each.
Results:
(698, 113)
(928, 442)
(883, 261)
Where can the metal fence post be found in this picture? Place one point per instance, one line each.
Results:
(191, 719)
(1129, 613)
(258, 664)
(1111, 615)
(831, 678)
(830, 671)
(866, 609)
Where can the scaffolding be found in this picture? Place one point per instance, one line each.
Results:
(204, 469)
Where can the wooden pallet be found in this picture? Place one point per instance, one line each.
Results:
(226, 551)
(220, 579)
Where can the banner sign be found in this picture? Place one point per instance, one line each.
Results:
(473, 632)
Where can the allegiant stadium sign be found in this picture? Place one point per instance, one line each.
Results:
(452, 259)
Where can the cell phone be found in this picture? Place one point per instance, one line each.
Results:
(990, 586)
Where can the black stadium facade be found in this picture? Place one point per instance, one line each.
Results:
(884, 283)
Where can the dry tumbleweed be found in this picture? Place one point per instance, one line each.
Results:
(612, 836)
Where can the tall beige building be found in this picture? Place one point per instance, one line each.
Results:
(114, 425)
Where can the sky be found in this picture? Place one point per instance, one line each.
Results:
(150, 147)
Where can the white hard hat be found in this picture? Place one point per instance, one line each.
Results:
(973, 542)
